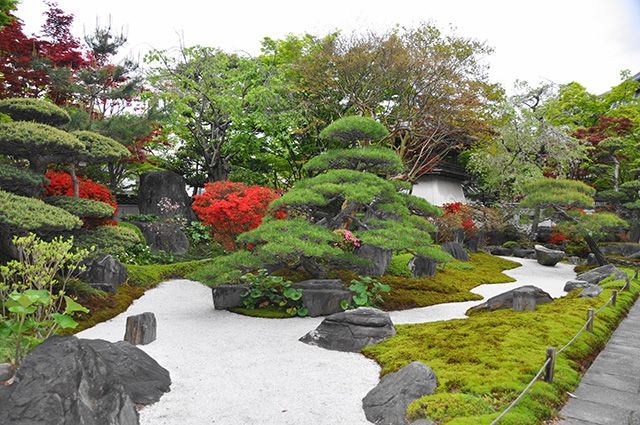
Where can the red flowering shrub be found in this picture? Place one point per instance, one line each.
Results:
(231, 208)
(457, 216)
(60, 184)
(557, 237)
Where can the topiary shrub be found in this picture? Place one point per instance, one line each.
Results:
(379, 161)
(20, 181)
(100, 148)
(38, 142)
(113, 240)
(348, 131)
(83, 208)
(37, 110)
(19, 214)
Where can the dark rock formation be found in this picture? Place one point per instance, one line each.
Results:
(506, 300)
(524, 253)
(598, 274)
(105, 273)
(156, 185)
(500, 250)
(377, 259)
(422, 266)
(323, 297)
(228, 296)
(548, 257)
(575, 284)
(351, 330)
(387, 403)
(141, 329)
(167, 237)
(623, 249)
(6, 371)
(456, 250)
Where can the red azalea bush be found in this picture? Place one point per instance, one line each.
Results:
(60, 184)
(231, 208)
(457, 216)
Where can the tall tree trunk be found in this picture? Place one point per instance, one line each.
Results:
(75, 181)
(616, 173)
(534, 224)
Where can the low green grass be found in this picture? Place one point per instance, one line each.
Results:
(266, 313)
(484, 362)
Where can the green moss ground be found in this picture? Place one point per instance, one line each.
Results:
(484, 362)
(266, 313)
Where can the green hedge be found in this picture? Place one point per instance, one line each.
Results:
(34, 110)
(27, 139)
(84, 208)
(20, 181)
(29, 214)
(114, 240)
(346, 131)
(100, 148)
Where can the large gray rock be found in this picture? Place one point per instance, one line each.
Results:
(387, 403)
(456, 250)
(351, 330)
(599, 274)
(527, 295)
(142, 377)
(591, 291)
(228, 296)
(377, 259)
(548, 257)
(66, 382)
(524, 253)
(167, 237)
(575, 284)
(500, 250)
(423, 266)
(156, 185)
(105, 273)
(623, 249)
(323, 297)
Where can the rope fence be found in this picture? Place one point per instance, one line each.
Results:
(548, 368)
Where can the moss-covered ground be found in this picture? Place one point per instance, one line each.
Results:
(266, 313)
(484, 362)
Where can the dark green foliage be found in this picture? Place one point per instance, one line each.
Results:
(114, 240)
(20, 181)
(85, 208)
(348, 131)
(100, 148)
(19, 213)
(227, 268)
(35, 110)
(376, 160)
(564, 192)
(27, 140)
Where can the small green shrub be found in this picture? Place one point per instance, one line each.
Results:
(132, 227)
(114, 240)
(142, 218)
(20, 181)
(197, 233)
(23, 109)
(367, 292)
(347, 131)
(20, 213)
(510, 244)
(81, 207)
(267, 291)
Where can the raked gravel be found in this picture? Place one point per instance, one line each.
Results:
(229, 369)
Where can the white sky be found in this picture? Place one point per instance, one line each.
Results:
(589, 41)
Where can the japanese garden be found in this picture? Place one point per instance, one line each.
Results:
(343, 228)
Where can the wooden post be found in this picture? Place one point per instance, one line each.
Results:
(590, 317)
(614, 298)
(550, 370)
(627, 285)
(635, 276)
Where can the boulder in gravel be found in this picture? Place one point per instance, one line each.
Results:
(158, 187)
(599, 274)
(228, 296)
(105, 273)
(351, 330)
(65, 381)
(456, 250)
(387, 403)
(575, 284)
(144, 380)
(167, 237)
(591, 291)
(377, 259)
(506, 300)
(524, 253)
(322, 297)
(141, 329)
(422, 266)
(548, 257)
(500, 250)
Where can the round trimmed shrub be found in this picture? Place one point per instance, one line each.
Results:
(376, 160)
(27, 139)
(114, 240)
(84, 208)
(20, 181)
(100, 148)
(19, 213)
(36, 110)
(348, 131)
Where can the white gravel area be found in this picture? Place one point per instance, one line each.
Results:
(230, 369)
(549, 279)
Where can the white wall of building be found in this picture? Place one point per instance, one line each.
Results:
(439, 190)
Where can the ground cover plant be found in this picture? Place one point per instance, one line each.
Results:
(485, 361)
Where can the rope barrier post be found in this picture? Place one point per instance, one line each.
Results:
(614, 298)
(590, 317)
(550, 370)
(627, 285)
(635, 276)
